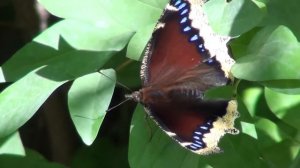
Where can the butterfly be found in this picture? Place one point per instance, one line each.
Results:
(183, 59)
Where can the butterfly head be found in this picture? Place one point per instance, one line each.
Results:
(135, 96)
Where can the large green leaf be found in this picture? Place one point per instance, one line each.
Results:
(233, 18)
(22, 99)
(88, 100)
(274, 54)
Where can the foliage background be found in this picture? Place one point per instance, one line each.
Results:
(51, 90)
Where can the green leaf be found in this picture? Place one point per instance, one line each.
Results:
(276, 51)
(88, 100)
(12, 144)
(284, 106)
(138, 42)
(22, 99)
(232, 18)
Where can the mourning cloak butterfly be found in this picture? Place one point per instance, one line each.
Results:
(183, 59)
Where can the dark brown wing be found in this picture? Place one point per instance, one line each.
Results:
(170, 54)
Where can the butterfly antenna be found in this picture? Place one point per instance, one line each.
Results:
(118, 83)
(122, 102)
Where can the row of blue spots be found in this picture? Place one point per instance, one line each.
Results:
(193, 34)
(198, 143)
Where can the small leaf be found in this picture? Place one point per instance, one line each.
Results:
(249, 129)
(88, 100)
